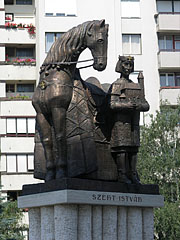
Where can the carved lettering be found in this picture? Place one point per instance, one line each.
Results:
(108, 197)
(93, 197)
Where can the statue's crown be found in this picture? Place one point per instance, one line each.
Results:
(126, 58)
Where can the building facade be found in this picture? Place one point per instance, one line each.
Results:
(148, 30)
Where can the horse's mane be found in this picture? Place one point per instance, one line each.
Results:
(63, 48)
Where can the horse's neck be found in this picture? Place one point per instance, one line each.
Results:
(77, 53)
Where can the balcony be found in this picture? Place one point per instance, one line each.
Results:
(10, 108)
(17, 71)
(16, 35)
(16, 181)
(169, 60)
(168, 22)
(171, 94)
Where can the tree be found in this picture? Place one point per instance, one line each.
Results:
(159, 163)
(11, 227)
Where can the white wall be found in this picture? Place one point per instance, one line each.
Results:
(17, 145)
(15, 182)
(17, 108)
(2, 17)
(14, 36)
(17, 72)
(172, 95)
(2, 126)
(169, 60)
(168, 22)
(1, 3)
(2, 89)
(2, 53)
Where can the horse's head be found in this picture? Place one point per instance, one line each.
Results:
(96, 41)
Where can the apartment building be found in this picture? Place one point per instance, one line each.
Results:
(148, 30)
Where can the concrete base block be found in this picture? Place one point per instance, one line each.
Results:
(78, 215)
(35, 223)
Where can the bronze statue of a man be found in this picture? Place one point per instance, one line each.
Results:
(126, 101)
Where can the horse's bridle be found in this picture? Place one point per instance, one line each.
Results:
(69, 63)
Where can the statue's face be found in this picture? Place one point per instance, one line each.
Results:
(126, 67)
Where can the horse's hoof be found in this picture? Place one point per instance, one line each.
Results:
(60, 173)
(50, 175)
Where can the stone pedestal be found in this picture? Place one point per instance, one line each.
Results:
(69, 214)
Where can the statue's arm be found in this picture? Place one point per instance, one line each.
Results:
(117, 104)
(142, 106)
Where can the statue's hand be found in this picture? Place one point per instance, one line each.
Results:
(131, 105)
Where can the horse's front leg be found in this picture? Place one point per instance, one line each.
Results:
(59, 122)
(48, 145)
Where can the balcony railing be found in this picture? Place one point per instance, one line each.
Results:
(17, 71)
(168, 22)
(169, 59)
(171, 94)
(10, 34)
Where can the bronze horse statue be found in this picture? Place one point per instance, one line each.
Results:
(54, 92)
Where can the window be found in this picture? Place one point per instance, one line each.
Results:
(20, 163)
(23, 2)
(11, 163)
(30, 162)
(30, 125)
(10, 51)
(24, 52)
(9, 2)
(10, 88)
(19, 126)
(11, 125)
(15, 52)
(25, 87)
(131, 44)
(60, 8)
(169, 42)
(51, 38)
(168, 6)
(130, 8)
(169, 79)
(176, 42)
(165, 42)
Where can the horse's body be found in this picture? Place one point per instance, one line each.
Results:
(54, 92)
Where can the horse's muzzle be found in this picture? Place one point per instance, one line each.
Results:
(100, 65)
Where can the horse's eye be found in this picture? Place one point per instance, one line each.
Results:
(100, 40)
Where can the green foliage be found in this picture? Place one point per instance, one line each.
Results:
(11, 226)
(167, 222)
(159, 163)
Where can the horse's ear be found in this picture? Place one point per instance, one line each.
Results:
(102, 23)
(107, 27)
